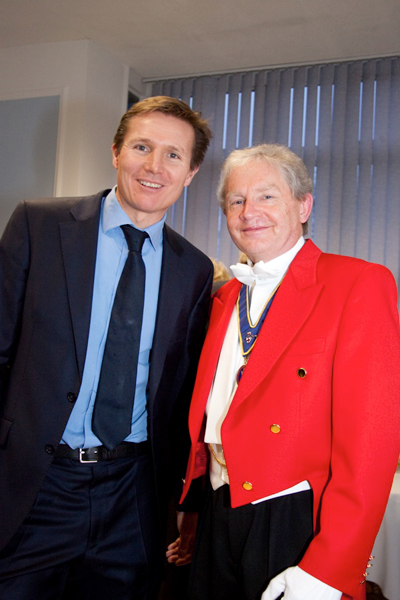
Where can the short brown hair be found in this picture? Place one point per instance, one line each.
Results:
(175, 108)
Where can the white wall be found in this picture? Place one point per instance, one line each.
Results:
(93, 88)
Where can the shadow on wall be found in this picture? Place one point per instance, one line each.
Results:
(28, 147)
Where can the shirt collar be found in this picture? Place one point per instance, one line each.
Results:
(262, 272)
(114, 216)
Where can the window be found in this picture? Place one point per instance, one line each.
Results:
(344, 121)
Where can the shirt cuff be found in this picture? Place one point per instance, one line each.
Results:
(296, 584)
(312, 587)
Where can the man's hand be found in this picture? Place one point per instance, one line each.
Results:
(181, 550)
(296, 584)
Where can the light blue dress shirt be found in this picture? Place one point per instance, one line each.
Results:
(112, 251)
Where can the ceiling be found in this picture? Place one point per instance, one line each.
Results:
(159, 38)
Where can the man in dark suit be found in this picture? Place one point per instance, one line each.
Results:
(80, 518)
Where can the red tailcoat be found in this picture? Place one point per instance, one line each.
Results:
(326, 370)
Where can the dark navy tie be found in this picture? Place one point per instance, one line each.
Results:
(112, 414)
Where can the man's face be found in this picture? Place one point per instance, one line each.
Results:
(263, 218)
(153, 166)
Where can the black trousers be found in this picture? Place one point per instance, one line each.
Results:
(92, 534)
(239, 550)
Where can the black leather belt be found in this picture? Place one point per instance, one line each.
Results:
(98, 453)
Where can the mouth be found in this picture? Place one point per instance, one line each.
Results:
(254, 229)
(149, 184)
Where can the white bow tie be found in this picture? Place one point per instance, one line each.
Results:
(259, 273)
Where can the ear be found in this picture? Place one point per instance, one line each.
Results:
(306, 205)
(114, 156)
(190, 176)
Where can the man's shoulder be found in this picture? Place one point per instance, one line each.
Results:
(335, 269)
(352, 263)
(342, 269)
(332, 260)
(60, 204)
(181, 246)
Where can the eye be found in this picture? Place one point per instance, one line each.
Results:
(173, 155)
(141, 147)
(267, 199)
(235, 203)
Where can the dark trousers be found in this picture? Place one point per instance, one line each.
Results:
(92, 534)
(239, 550)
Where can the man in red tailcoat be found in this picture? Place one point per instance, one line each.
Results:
(295, 413)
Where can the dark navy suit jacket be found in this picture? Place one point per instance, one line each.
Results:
(47, 263)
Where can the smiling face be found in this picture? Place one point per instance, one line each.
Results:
(153, 166)
(263, 218)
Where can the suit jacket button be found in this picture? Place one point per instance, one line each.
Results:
(49, 448)
(301, 372)
(275, 428)
(71, 397)
(247, 486)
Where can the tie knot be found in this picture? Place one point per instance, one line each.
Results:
(134, 238)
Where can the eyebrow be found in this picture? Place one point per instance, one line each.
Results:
(266, 187)
(140, 140)
(259, 189)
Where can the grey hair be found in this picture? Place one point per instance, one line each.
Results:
(290, 165)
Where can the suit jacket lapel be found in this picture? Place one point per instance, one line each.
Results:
(293, 304)
(79, 247)
(169, 307)
(222, 307)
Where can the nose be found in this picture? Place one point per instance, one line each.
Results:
(153, 162)
(249, 209)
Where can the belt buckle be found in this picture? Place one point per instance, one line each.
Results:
(84, 460)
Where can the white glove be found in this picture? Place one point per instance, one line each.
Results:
(296, 584)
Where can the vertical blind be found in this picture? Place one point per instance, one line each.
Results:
(344, 121)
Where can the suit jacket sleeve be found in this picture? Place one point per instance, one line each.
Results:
(365, 432)
(197, 328)
(14, 270)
